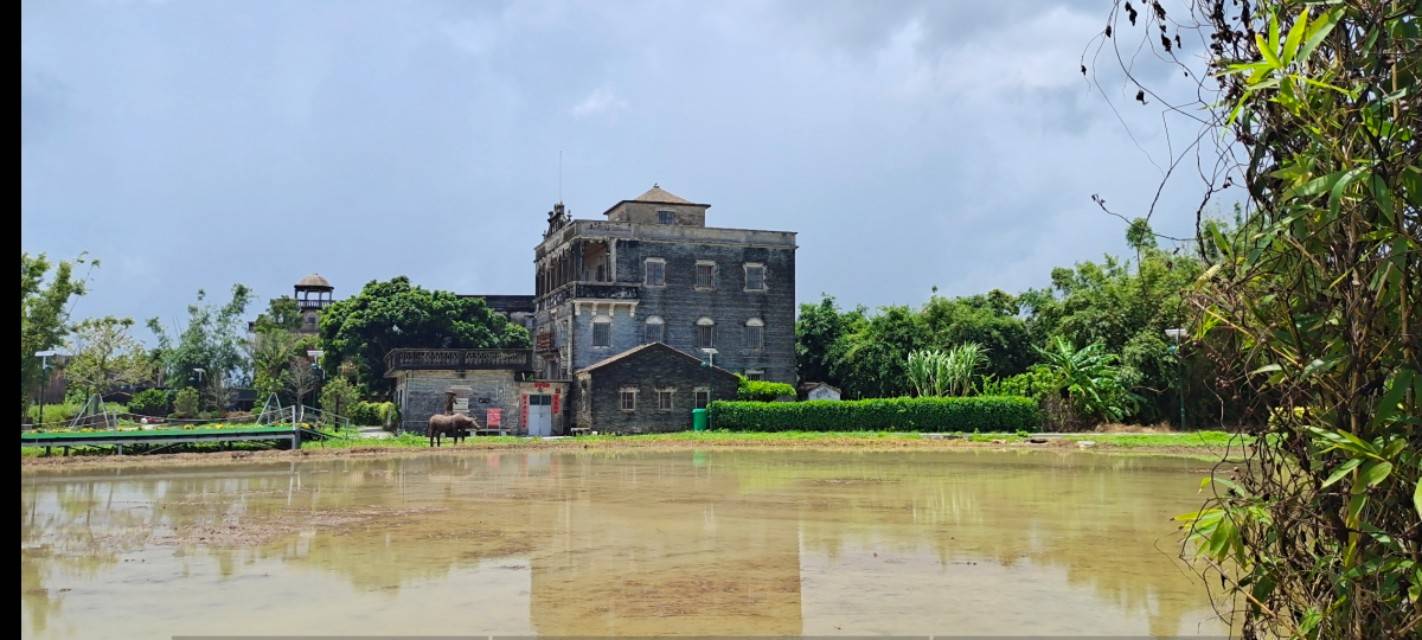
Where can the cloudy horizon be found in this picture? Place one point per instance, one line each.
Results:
(911, 145)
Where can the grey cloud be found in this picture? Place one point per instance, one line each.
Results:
(260, 142)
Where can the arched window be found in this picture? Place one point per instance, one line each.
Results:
(656, 330)
(602, 331)
(705, 333)
(755, 334)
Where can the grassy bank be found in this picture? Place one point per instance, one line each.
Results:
(1201, 444)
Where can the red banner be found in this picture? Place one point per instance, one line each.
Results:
(493, 417)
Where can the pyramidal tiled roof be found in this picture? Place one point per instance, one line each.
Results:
(658, 194)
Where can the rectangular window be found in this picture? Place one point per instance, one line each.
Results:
(664, 398)
(705, 275)
(666, 217)
(602, 334)
(655, 333)
(655, 270)
(703, 398)
(755, 337)
(755, 374)
(755, 277)
(628, 400)
(705, 336)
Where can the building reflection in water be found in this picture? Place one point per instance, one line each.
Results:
(740, 543)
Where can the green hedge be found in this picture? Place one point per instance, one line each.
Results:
(983, 413)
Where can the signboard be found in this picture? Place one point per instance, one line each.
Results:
(493, 417)
(461, 405)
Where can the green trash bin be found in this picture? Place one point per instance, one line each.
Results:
(699, 419)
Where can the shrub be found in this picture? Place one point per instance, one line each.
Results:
(988, 413)
(339, 397)
(185, 403)
(763, 390)
(65, 412)
(151, 402)
(374, 413)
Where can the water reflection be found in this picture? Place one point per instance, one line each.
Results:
(744, 543)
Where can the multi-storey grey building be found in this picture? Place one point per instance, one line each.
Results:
(653, 271)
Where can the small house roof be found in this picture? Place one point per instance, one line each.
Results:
(809, 386)
(647, 347)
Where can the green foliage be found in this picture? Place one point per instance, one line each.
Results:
(59, 415)
(151, 402)
(887, 414)
(1037, 382)
(44, 313)
(282, 313)
(213, 341)
(763, 390)
(1310, 308)
(1088, 380)
(384, 414)
(186, 403)
(992, 321)
(394, 314)
(106, 356)
(339, 397)
(1127, 308)
(271, 352)
(935, 373)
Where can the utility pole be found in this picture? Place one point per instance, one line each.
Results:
(1179, 369)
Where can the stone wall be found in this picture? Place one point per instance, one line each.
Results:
(422, 394)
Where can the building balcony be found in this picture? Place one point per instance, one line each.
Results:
(586, 290)
(457, 360)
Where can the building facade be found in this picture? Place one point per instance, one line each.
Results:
(654, 272)
(647, 389)
(493, 386)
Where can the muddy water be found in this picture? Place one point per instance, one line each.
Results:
(742, 543)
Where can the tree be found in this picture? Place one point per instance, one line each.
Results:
(212, 342)
(387, 315)
(44, 313)
(1126, 307)
(338, 397)
(991, 321)
(1313, 302)
(818, 331)
(301, 377)
(282, 313)
(106, 356)
(186, 403)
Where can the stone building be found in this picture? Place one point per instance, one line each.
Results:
(648, 388)
(651, 273)
(493, 386)
(654, 272)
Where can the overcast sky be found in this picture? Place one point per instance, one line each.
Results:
(193, 145)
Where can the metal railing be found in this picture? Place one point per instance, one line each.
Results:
(458, 359)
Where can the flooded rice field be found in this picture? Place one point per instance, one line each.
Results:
(704, 542)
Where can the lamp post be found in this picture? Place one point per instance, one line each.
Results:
(1177, 334)
(44, 381)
